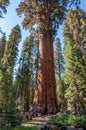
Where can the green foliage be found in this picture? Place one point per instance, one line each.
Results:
(9, 56)
(59, 60)
(10, 119)
(65, 119)
(35, 12)
(74, 37)
(20, 128)
(26, 74)
(11, 48)
(3, 6)
(62, 103)
(15, 120)
(2, 46)
(8, 92)
(3, 10)
(2, 49)
(59, 71)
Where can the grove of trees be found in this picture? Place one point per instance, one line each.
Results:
(49, 78)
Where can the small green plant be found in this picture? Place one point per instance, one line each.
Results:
(65, 119)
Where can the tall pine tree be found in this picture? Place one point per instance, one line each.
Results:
(8, 63)
(3, 10)
(59, 70)
(59, 59)
(2, 48)
(26, 74)
(3, 6)
(74, 38)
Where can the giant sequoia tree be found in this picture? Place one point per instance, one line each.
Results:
(47, 14)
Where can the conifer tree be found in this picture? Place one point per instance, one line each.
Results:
(2, 48)
(8, 63)
(47, 14)
(59, 70)
(59, 60)
(3, 6)
(11, 49)
(2, 45)
(3, 10)
(26, 73)
(74, 38)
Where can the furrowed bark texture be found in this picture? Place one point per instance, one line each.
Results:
(45, 93)
(45, 100)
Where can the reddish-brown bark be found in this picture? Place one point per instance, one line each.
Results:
(45, 93)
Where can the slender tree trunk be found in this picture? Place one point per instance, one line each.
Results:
(45, 99)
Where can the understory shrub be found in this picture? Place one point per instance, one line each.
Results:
(65, 119)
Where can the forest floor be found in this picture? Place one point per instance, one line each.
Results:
(57, 121)
(37, 121)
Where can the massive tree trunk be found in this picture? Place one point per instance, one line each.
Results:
(45, 93)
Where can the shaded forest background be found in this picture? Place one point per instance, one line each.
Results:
(17, 86)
